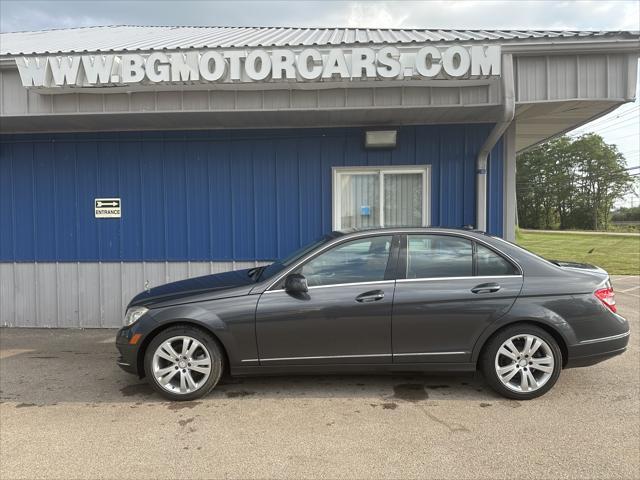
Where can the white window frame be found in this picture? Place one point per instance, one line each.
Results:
(424, 170)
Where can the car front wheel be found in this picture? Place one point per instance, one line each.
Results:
(522, 362)
(183, 363)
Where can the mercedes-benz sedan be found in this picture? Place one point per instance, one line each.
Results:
(377, 301)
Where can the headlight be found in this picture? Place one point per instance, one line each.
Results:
(133, 314)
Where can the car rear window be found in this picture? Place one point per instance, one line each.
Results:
(490, 263)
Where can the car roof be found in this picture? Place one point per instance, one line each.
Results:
(382, 230)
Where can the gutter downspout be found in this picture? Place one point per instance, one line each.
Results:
(508, 112)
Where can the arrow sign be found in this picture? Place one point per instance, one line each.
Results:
(108, 208)
(107, 204)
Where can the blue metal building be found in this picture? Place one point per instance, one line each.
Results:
(212, 175)
(212, 195)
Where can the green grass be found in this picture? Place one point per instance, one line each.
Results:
(617, 254)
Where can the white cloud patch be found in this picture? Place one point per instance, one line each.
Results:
(525, 14)
(362, 15)
(29, 17)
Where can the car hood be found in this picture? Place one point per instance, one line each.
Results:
(217, 286)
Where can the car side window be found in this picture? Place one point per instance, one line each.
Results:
(437, 256)
(362, 260)
(490, 263)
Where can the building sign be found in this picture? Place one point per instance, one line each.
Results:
(257, 65)
(108, 208)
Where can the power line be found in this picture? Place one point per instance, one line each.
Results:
(615, 120)
(530, 185)
(599, 128)
(612, 141)
(604, 120)
(626, 136)
(525, 186)
(628, 115)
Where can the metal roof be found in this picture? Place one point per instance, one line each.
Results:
(135, 38)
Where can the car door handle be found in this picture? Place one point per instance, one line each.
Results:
(486, 288)
(372, 296)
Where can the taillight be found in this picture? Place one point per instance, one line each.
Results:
(606, 296)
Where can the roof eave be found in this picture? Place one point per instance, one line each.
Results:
(519, 47)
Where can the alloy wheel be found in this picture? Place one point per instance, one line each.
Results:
(524, 363)
(181, 365)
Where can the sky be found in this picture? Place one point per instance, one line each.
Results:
(621, 127)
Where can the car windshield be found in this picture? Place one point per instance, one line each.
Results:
(279, 265)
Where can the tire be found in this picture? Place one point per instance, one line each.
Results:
(514, 361)
(178, 378)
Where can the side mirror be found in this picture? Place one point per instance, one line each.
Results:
(296, 283)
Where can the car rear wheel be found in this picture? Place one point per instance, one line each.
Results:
(522, 362)
(183, 363)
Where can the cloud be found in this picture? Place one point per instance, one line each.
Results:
(533, 14)
(29, 17)
(362, 15)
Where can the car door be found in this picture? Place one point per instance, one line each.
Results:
(344, 318)
(452, 288)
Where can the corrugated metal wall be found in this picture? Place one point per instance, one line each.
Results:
(205, 196)
(86, 295)
(193, 203)
(16, 100)
(564, 77)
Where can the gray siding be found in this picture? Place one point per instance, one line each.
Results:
(569, 77)
(86, 295)
(538, 79)
(18, 101)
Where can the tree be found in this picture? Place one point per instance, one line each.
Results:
(544, 181)
(602, 177)
(626, 214)
(568, 183)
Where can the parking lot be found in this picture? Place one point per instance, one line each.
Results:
(67, 411)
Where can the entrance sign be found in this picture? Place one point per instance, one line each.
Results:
(258, 65)
(108, 208)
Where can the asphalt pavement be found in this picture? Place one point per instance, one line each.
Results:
(67, 411)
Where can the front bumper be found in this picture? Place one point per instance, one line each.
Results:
(590, 352)
(128, 359)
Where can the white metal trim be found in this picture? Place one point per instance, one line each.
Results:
(381, 196)
(605, 339)
(509, 201)
(429, 354)
(380, 282)
(435, 279)
(321, 357)
(373, 355)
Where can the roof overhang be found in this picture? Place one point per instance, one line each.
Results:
(561, 82)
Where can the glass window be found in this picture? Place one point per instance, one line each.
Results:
(362, 260)
(374, 197)
(279, 265)
(490, 263)
(436, 256)
(359, 200)
(403, 199)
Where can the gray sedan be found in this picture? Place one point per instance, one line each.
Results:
(385, 300)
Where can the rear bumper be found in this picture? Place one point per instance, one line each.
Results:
(590, 352)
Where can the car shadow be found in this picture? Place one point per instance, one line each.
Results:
(41, 367)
